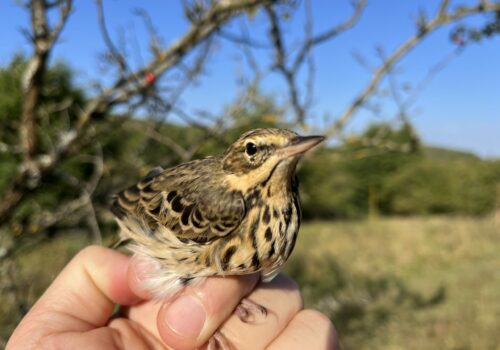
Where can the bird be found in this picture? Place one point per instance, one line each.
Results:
(232, 214)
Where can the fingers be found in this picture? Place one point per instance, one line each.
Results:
(82, 297)
(309, 329)
(90, 285)
(282, 299)
(192, 317)
(188, 321)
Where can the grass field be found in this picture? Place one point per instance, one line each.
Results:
(405, 283)
(413, 283)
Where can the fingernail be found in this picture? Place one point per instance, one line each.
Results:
(186, 316)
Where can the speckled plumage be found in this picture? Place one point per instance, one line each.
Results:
(233, 214)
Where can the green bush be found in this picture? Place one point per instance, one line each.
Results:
(447, 186)
(326, 188)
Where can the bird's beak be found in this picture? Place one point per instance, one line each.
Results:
(300, 145)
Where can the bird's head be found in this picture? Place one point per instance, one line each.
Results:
(266, 154)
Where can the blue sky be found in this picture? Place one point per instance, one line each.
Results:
(460, 108)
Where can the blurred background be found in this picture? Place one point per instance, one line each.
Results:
(400, 240)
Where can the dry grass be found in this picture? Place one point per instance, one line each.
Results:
(25, 278)
(405, 283)
(415, 283)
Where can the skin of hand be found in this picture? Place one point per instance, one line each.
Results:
(75, 312)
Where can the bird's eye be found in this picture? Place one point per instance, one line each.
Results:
(250, 148)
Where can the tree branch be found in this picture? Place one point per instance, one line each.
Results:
(43, 39)
(281, 56)
(280, 63)
(441, 18)
(119, 93)
(115, 54)
(80, 206)
(312, 41)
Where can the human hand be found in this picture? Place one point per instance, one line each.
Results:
(75, 312)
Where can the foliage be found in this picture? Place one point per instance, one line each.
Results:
(327, 189)
(386, 170)
(349, 181)
(371, 157)
(58, 90)
(10, 99)
(451, 186)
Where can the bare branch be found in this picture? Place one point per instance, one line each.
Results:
(443, 7)
(438, 21)
(65, 8)
(43, 38)
(119, 93)
(115, 54)
(431, 73)
(394, 90)
(290, 72)
(310, 62)
(311, 41)
(280, 63)
(245, 40)
(154, 38)
(75, 208)
(161, 106)
(362, 61)
(32, 79)
(311, 73)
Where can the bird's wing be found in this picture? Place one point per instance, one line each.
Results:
(189, 200)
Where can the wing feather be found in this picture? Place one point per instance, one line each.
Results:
(188, 199)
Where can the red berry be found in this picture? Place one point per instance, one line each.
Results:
(150, 78)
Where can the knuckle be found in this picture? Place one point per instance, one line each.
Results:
(89, 251)
(317, 329)
(318, 323)
(293, 290)
(319, 318)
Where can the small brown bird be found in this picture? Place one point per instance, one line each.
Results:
(234, 214)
